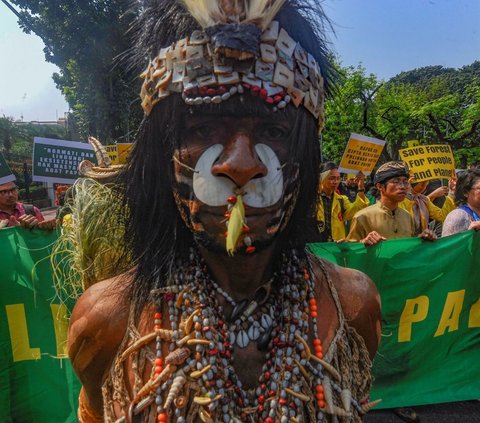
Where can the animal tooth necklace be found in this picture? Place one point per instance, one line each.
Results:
(250, 320)
(197, 379)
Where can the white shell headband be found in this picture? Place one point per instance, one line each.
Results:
(224, 59)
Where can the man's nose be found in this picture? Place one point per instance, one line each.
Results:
(239, 161)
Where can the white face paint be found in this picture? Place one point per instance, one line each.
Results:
(259, 192)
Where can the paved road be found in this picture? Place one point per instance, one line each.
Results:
(454, 412)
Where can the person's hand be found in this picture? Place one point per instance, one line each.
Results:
(27, 221)
(340, 241)
(475, 225)
(428, 235)
(439, 192)
(3, 223)
(452, 185)
(13, 221)
(360, 180)
(372, 238)
(48, 225)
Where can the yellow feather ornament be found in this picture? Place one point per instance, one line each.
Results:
(235, 225)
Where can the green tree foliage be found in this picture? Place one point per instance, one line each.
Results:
(431, 104)
(9, 133)
(345, 111)
(87, 41)
(447, 106)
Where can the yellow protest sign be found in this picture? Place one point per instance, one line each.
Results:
(123, 150)
(413, 143)
(112, 153)
(361, 154)
(429, 161)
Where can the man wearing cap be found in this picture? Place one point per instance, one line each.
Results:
(385, 220)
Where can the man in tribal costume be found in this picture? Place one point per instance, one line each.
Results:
(225, 316)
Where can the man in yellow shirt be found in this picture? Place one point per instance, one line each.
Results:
(334, 209)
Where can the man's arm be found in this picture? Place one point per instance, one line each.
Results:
(97, 327)
(360, 302)
(361, 201)
(438, 213)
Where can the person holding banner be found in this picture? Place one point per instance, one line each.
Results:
(385, 219)
(421, 207)
(14, 213)
(225, 316)
(467, 197)
(334, 209)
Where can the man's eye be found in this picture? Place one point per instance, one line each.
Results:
(273, 132)
(201, 131)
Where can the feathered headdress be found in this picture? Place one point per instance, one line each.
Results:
(213, 12)
(239, 49)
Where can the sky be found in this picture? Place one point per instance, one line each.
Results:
(385, 36)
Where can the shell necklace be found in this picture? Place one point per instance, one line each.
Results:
(197, 379)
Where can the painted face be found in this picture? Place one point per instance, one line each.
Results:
(395, 189)
(222, 156)
(8, 195)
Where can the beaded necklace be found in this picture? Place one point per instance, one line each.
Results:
(197, 378)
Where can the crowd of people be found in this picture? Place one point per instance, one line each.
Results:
(398, 209)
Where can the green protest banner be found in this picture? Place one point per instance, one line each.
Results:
(430, 295)
(37, 383)
(430, 313)
(6, 174)
(57, 161)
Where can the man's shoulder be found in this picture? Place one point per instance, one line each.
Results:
(358, 296)
(347, 282)
(369, 210)
(102, 297)
(102, 308)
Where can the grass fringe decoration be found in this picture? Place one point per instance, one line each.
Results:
(91, 246)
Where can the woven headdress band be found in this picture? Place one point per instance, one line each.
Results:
(237, 51)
